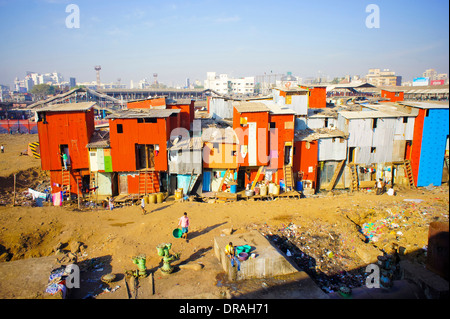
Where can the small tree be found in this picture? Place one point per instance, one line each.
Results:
(42, 90)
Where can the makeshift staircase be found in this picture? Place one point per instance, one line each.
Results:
(288, 177)
(148, 182)
(335, 176)
(354, 177)
(409, 174)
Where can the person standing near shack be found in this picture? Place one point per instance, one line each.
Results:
(65, 158)
(143, 205)
(184, 224)
(380, 186)
(230, 252)
(3, 149)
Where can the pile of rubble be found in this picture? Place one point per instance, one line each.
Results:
(323, 254)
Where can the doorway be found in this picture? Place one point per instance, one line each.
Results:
(145, 156)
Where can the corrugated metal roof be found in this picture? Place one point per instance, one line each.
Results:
(250, 107)
(309, 135)
(193, 143)
(143, 113)
(427, 104)
(278, 109)
(219, 135)
(99, 139)
(366, 114)
(67, 107)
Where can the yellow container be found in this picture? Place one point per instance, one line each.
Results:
(159, 197)
(178, 193)
(146, 200)
(276, 190)
(152, 198)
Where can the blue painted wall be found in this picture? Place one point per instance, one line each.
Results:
(434, 138)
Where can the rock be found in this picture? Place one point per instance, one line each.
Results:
(227, 231)
(75, 247)
(191, 266)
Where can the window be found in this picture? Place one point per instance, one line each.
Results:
(374, 123)
(273, 125)
(150, 120)
(119, 128)
(405, 119)
(373, 150)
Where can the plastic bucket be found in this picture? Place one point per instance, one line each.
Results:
(233, 189)
(152, 198)
(146, 199)
(299, 186)
(177, 233)
(271, 187)
(159, 197)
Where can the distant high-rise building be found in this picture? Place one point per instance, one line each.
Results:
(72, 82)
(383, 78)
(222, 84)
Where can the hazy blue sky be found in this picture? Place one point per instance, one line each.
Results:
(179, 39)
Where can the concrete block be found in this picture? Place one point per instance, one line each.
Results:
(433, 286)
(269, 261)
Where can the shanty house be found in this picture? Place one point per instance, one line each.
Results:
(251, 125)
(138, 139)
(185, 163)
(377, 138)
(220, 155)
(431, 135)
(66, 129)
(103, 180)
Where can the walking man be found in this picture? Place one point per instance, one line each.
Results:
(143, 205)
(184, 224)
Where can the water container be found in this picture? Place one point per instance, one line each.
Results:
(271, 187)
(299, 186)
(152, 198)
(146, 199)
(276, 190)
(263, 190)
(178, 193)
(159, 197)
(233, 189)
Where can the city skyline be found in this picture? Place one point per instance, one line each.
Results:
(186, 39)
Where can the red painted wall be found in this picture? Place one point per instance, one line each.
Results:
(146, 104)
(262, 120)
(304, 158)
(392, 96)
(123, 150)
(317, 97)
(284, 135)
(417, 143)
(71, 128)
(187, 113)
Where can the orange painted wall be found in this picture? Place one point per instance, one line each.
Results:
(392, 96)
(317, 97)
(123, 151)
(221, 157)
(262, 120)
(417, 143)
(284, 124)
(146, 104)
(70, 128)
(305, 158)
(187, 113)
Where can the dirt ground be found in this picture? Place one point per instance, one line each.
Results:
(339, 231)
